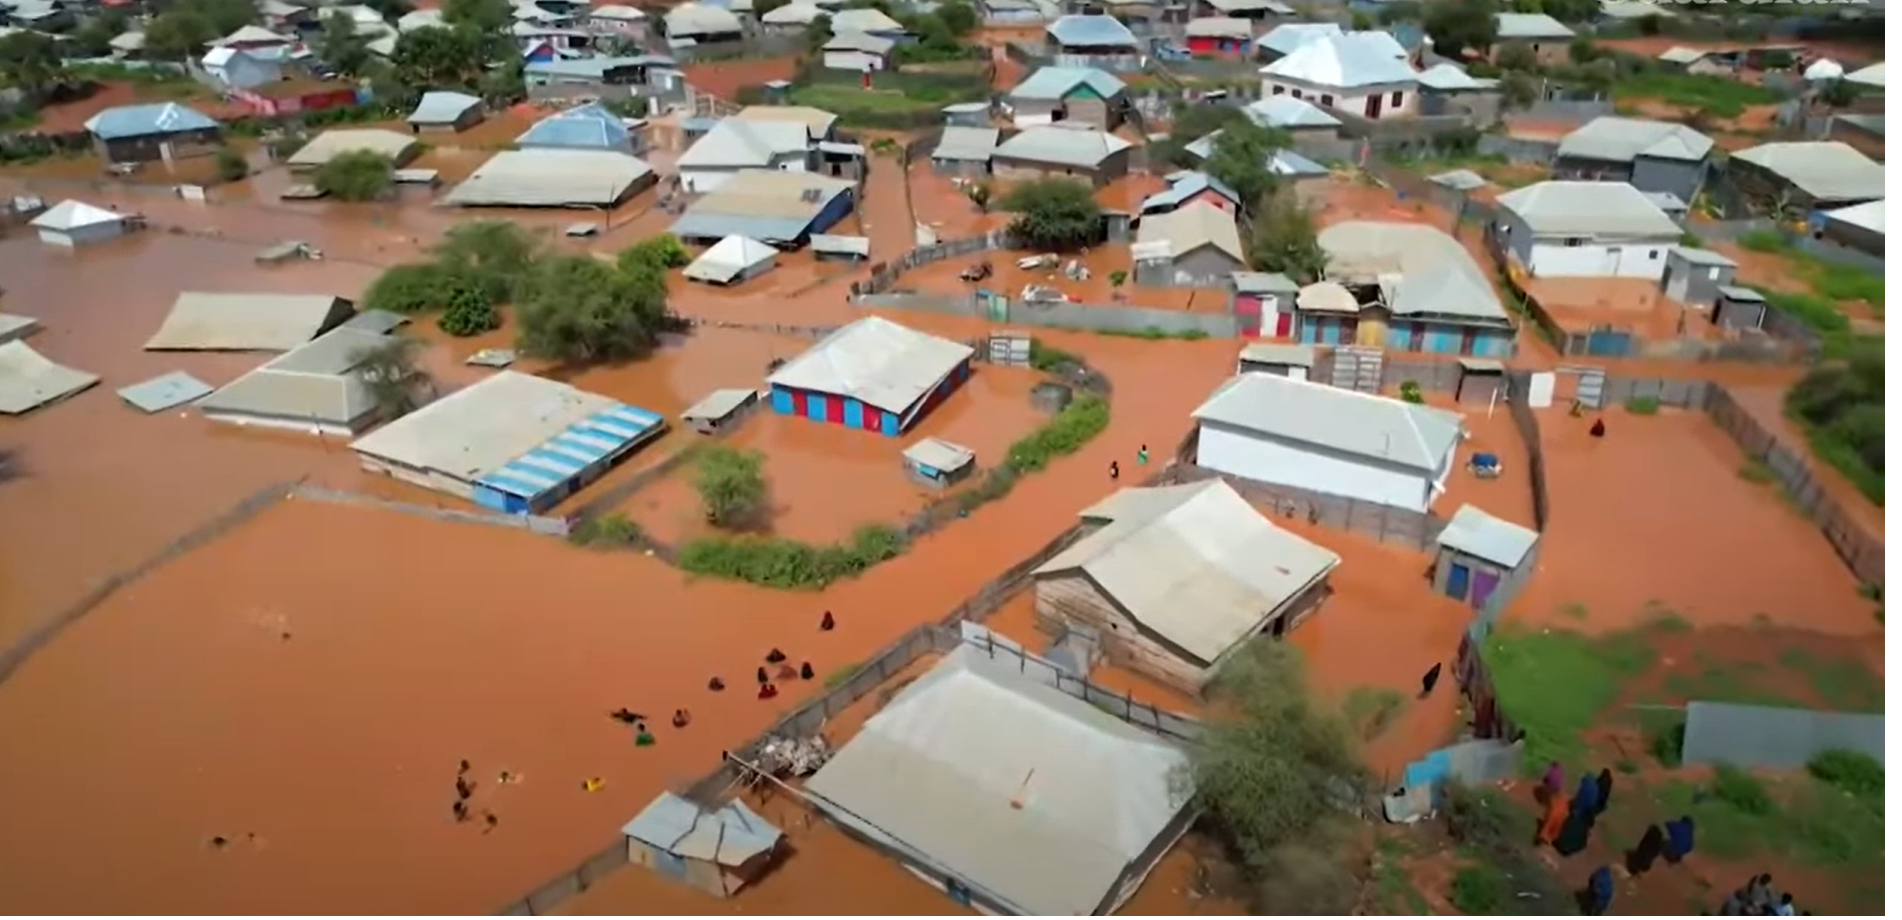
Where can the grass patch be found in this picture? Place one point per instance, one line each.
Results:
(1844, 684)
(1480, 890)
(1065, 434)
(1049, 359)
(1495, 831)
(1758, 472)
(1642, 405)
(1816, 822)
(839, 675)
(1722, 97)
(1554, 684)
(1156, 333)
(607, 531)
(1851, 771)
(1720, 683)
(1741, 791)
(1371, 709)
(1831, 281)
(777, 562)
(1664, 735)
(1843, 456)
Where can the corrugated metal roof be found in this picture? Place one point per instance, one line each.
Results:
(1285, 111)
(1326, 297)
(1873, 75)
(1289, 163)
(818, 122)
(485, 426)
(164, 392)
(1476, 533)
(1436, 275)
(1698, 256)
(1058, 82)
(1195, 563)
(380, 322)
(200, 321)
(323, 148)
(1601, 209)
(1263, 283)
(152, 118)
(875, 361)
(1030, 795)
(1062, 146)
(765, 204)
(792, 14)
(551, 177)
(859, 41)
(1741, 294)
(1274, 353)
(1219, 27)
(729, 258)
(864, 20)
(254, 35)
(1362, 424)
(1530, 26)
(1191, 227)
(563, 457)
(16, 327)
(28, 380)
(1448, 77)
(698, 19)
(1237, 6)
(842, 245)
(1285, 38)
(1828, 170)
(617, 11)
(1867, 215)
(593, 67)
(740, 143)
(1185, 185)
(442, 108)
(73, 214)
(729, 836)
(959, 143)
(1758, 737)
(940, 454)
(1633, 9)
(584, 127)
(1622, 140)
(1464, 180)
(719, 404)
(1349, 60)
(1092, 32)
(315, 381)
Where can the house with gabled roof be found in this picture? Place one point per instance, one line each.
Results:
(1412, 288)
(1805, 175)
(1196, 245)
(1047, 152)
(1079, 95)
(152, 131)
(1252, 10)
(1187, 187)
(737, 144)
(1363, 74)
(1571, 229)
(1549, 40)
(1094, 41)
(1653, 156)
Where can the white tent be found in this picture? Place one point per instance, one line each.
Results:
(733, 260)
(72, 223)
(1824, 69)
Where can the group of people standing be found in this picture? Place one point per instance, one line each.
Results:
(1569, 821)
(1758, 898)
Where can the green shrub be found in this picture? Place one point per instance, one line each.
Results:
(1741, 791)
(605, 531)
(1049, 358)
(731, 484)
(466, 309)
(359, 175)
(1763, 241)
(1642, 405)
(1690, 239)
(1479, 890)
(776, 562)
(1410, 392)
(1063, 435)
(231, 165)
(1851, 771)
(662, 252)
(408, 289)
(1667, 742)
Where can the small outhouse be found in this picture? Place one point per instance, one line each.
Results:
(1483, 561)
(1292, 361)
(1692, 276)
(1738, 308)
(1264, 304)
(938, 463)
(720, 409)
(1482, 380)
(718, 851)
(830, 248)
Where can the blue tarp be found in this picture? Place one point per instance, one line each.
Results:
(142, 120)
(588, 127)
(561, 458)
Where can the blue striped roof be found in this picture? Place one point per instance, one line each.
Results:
(563, 456)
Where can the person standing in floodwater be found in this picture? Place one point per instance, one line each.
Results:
(1142, 455)
(1116, 471)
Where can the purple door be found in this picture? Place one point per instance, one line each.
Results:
(1483, 584)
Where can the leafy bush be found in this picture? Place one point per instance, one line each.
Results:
(1049, 358)
(496, 254)
(360, 175)
(1741, 791)
(1410, 392)
(606, 531)
(1642, 405)
(1479, 890)
(231, 164)
(1063, 435)
(659, 252)
(1851, 771)
(776, 562)
(1667, 742)
(731, 486)
(467, 310)
(408, 289)
(1763, 241)
(1059, 214)
(1840, 407)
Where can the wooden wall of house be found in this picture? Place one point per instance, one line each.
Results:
(1073, 598)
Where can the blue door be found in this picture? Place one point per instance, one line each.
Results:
(1456, 579)
(1608, 343)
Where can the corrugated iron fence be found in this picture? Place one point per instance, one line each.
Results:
(1385, 523)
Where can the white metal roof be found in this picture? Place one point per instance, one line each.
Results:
(1352, 59)
(1827, 170)
(315, 381)
(253, 35)
(1236, 6)
(1633, 9)
(852, 40)
(875, 361)
(864, 20)
(1421, 270)
(1285, 111)
(792, 14)
(617, 11)
(1285, 38)
(729, 835)
(245, 322)
(1476, 533)
(164, 392)
(737, 143)
(1824, 69)
(1036, 797)
(1591, 209)
(1524, 26)
(482, 427)
(719, 403)
(1349, 421)
(323, 148)
(729, 258)
(1326, 297)
(940, 454)
(1191, 227)
(72, 214)
(1064, 146)
(1219, 27)
(818, 122)
(1867, 215)
(28, 380)
(13, 326)
(1872, 75)
(1195, 563)
(1678, 54)
(551, 177)
(442, 108)
(1448, 77)
(959, 143)
(698, 19)
(1464, 180)
(1620, 139)
(1278, 353)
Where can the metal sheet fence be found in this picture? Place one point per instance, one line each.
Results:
(1527, 424)
(1430, 375)
(1861, 550)
(1773, 737)
(546, 526)
(1683, 394)
(1411, 529)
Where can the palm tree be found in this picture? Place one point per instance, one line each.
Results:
(397, 385)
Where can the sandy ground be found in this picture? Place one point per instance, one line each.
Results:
(71, 116)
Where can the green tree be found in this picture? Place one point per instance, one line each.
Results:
(731, 485)
(1285, 240)
(1518, 58)
(178, 33)
(1518, 90)
(1360, 22)
(959, 17)
(1058, 214)
(1650, 25)
(1842, 404)
(504, 85)
(231, 165)
(577, 309)
(1581, 50)
(1239, 158)
(655, 254)
(1401, 11)
(392, 373)
(417, 287)
(496, 254)
(390, 10)
(359, 175)
(340, 45)
(1192, 122)
(483, 15)
(467, 310)
(1275, 767)
(818, 32)
(1457, 25)
(94, 36)
(29, 61)
(440, 58)
(1837, 93)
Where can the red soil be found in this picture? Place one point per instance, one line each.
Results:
(724, 78)
(71, 116)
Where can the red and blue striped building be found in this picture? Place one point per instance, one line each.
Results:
(852, 413)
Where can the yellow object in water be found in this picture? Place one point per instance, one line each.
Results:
(593, 785)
